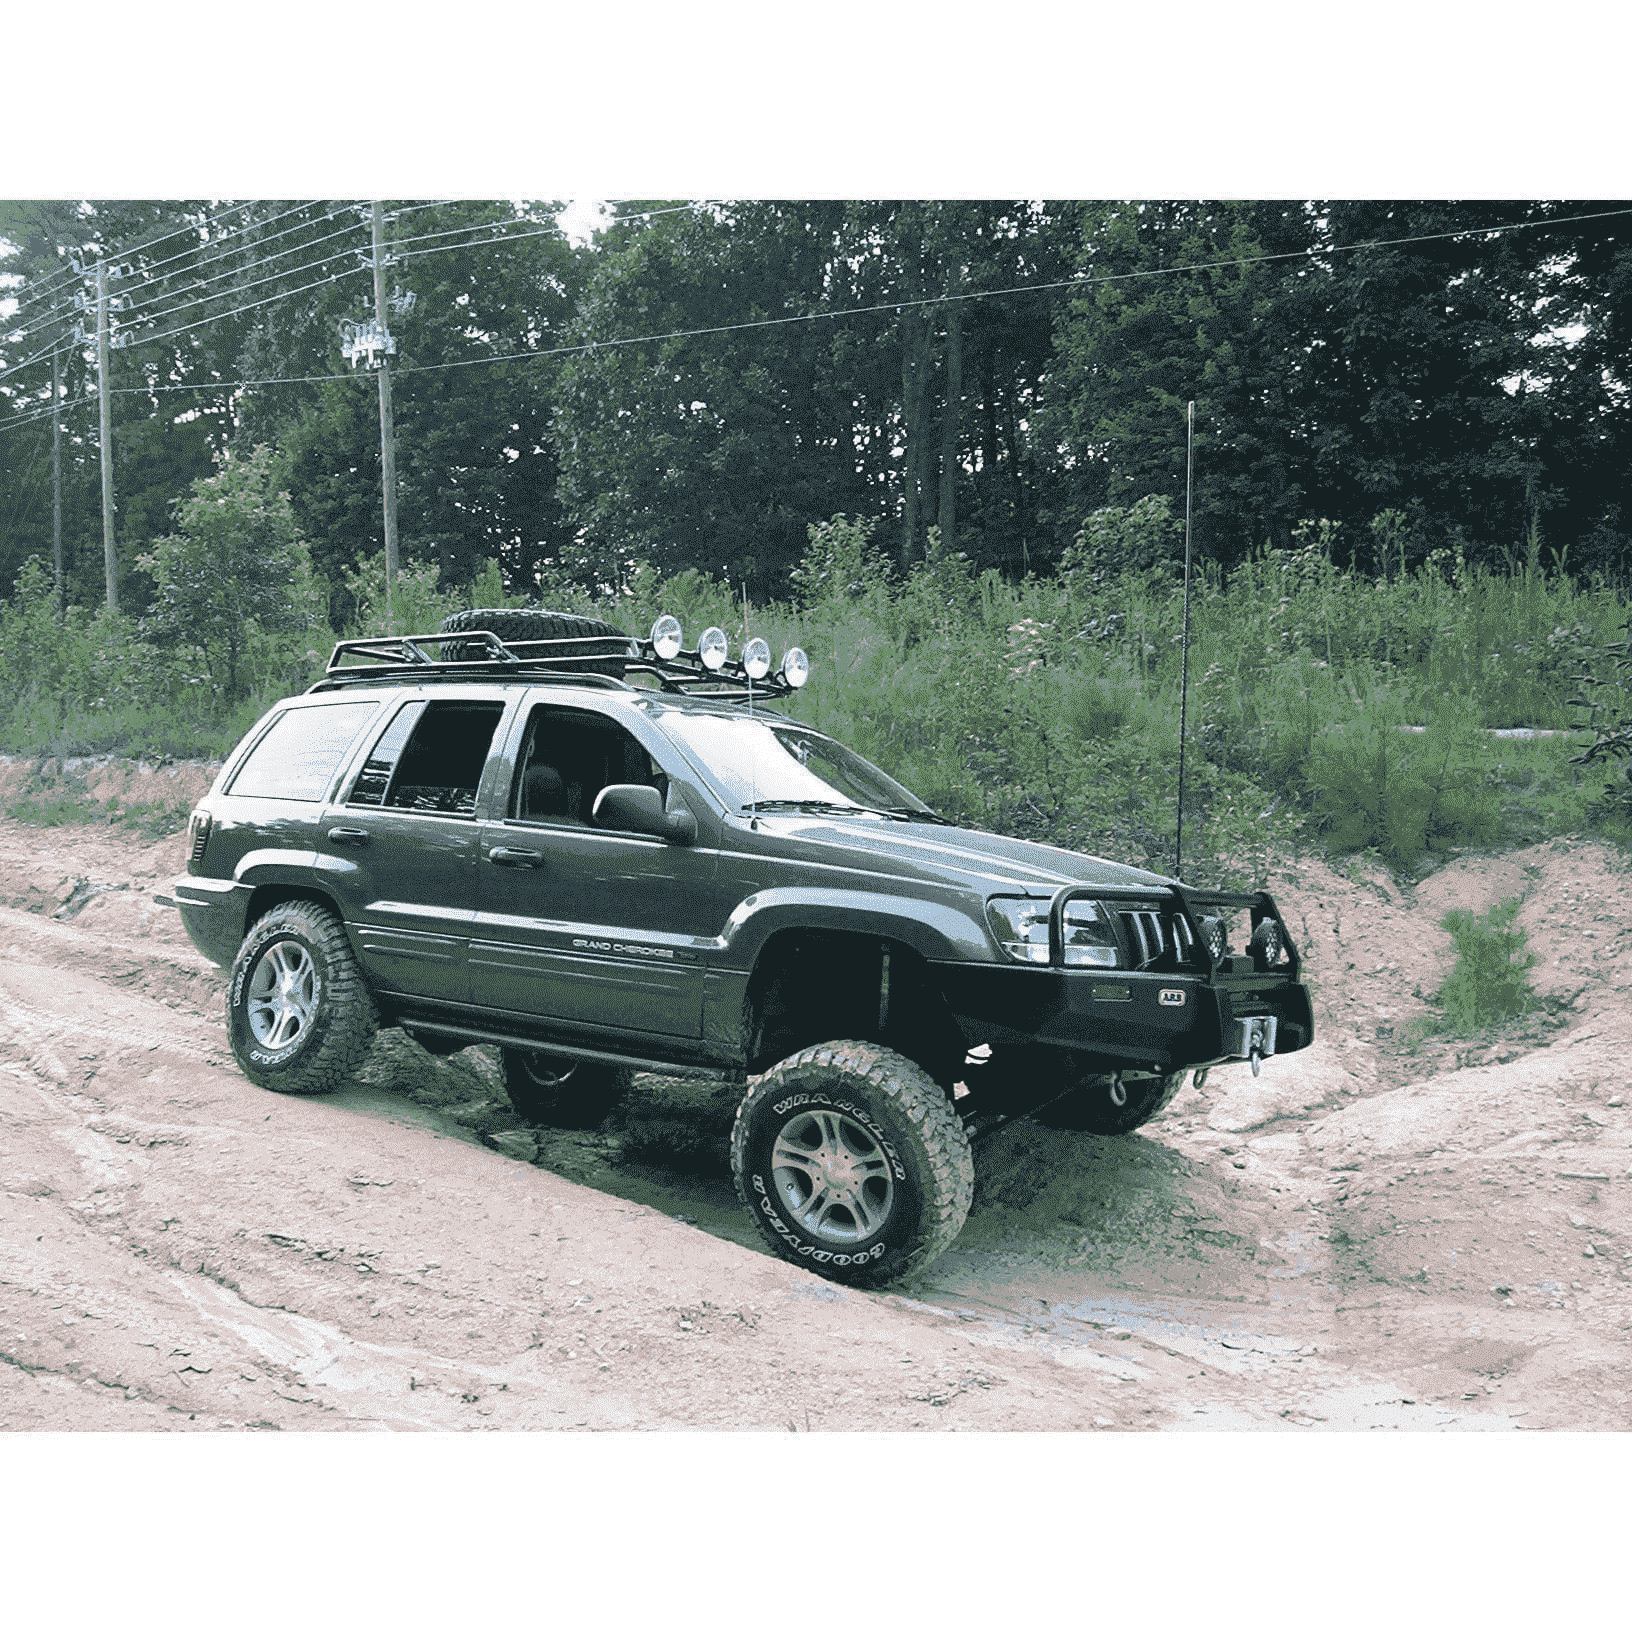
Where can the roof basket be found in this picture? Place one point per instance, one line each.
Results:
(592, 659)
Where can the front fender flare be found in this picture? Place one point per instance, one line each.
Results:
(940, 931)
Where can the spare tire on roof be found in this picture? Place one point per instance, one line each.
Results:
(510, 623)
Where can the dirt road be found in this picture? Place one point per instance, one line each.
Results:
(1369, 1235)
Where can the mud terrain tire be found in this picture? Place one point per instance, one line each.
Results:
(528, 623)
(551, 1092)
(1089, 1108)
(852, 1162)
(299, 1015)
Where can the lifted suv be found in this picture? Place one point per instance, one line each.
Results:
(605, 855)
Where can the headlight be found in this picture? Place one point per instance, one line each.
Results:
(1021, 928)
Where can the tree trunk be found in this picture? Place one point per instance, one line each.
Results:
(950, 418)
(914, 389)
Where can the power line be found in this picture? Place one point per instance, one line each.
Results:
(159, 311)
(236, 232)
(60, 312)
(254, 305)
(69, 276)
(34, 415)
(210, 246)
(288, 272)
(27, 362)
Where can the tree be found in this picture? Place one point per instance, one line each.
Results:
(235, 566)
(1179, 306)
(715, 442)
(1424, 397)
(820, 359)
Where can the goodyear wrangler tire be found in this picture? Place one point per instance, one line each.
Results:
(852, 1162)
(530, 623)
(1091, 1107)
(299, 1015)
(550, 1091)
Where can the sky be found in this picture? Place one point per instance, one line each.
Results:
(1265, 98)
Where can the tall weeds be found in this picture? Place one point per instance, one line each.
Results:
(1325, 706)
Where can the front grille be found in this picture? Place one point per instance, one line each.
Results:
(1159, 938)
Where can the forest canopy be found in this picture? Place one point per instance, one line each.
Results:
(702, 382)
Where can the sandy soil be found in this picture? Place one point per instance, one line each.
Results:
(1373, 1234)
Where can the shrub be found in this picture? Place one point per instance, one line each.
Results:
(1491, 980)
(1607, 698)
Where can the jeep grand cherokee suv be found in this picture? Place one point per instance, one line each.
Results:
(605, 855)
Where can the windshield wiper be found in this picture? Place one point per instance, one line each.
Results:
(912, 813)
(825, 806)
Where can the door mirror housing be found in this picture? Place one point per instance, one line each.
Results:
(636, 807)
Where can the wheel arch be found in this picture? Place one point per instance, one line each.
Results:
(264, 897)
(812, 983)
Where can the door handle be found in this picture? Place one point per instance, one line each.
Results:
(348, 835)
(502, 856)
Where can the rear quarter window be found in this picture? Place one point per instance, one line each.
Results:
(298, 756)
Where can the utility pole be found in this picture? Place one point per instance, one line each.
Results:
(372, 343)
(56, 477)
(388, 434)
(109, 558)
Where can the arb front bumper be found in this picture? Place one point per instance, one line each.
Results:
(1181, 997)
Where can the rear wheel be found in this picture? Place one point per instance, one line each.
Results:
(550, 1091)
(852, 1162)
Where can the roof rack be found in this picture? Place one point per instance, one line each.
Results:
(598, 660)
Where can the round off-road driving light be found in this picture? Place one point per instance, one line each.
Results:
(666, 636)
(795, 667)
(711, 649)
(756, 659)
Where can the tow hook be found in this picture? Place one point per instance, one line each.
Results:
(1119, 1094)
(1257, 1061)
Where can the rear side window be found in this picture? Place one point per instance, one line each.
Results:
(298, 756)
(430, 758)
(374, 780)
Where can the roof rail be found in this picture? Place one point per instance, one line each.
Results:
(600, 660)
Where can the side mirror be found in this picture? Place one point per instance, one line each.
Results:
(636, 807)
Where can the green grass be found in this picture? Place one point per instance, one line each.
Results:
(1490, 983)
(61, 798)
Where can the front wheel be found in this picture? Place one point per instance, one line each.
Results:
(299, 1014)
(553, 1092)
(852, 1162)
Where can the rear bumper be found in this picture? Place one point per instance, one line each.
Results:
(1122, 1020)
(212, 912)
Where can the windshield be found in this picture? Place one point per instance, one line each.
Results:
(759, 762)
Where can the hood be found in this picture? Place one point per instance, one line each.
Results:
(964, 858)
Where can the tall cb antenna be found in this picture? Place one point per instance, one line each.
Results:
(1184, 639)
